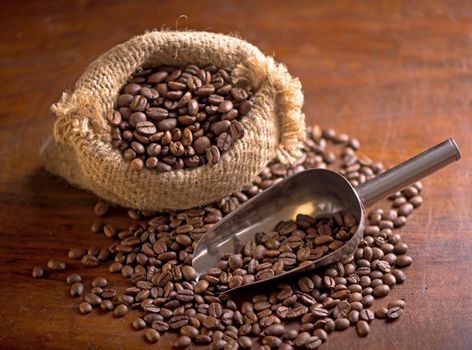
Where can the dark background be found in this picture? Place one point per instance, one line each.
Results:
(395, 74)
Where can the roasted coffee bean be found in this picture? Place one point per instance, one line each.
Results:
(403, 261)
(182, 342)
(342, 309)
(245, 342)
(353, 316)
(137, 164)
(224, 142)
(85, 308)
(120, 310)
(76, 289)
(72, 278)
(213, 155)
(90, 260)
(152, 335)
(401, 303)
(101, 208)
(381, 291)
(189, 273)
(99, 282)
(275, 330)
(381, 313)
(394, 312)
(93, 299)
(115, 267)
(108, 293)
(77, 253)
(56, 265)
(146, 128)
(236, 130)
(106, 305)
(301, 339)
(366, 315)
(189, 331)
(161, 326)
(362, 328)
(38, 272)
(341, 324)
(138, 323)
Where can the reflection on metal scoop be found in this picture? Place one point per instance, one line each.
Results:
(314, 192)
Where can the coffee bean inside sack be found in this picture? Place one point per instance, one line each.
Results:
(178, 117)
(154, 256)
(290, 245)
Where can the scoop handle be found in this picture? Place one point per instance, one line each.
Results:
(408, 172)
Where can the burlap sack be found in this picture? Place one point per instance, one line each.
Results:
(81, 152)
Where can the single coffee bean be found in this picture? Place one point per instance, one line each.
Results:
(400, 277)
(341, 324)
(138, 323)
(362, 328)
(152, 335)
(120, 310)
(85, 308)
(201, 144)
(78, 253)
(224, 142)
(245, 342)
(403, 261)
(189, 331)
(366, 315)
(93, 299)
(106, 305)
(182, 342)
(236, 130)
(73, 277)
(353, 316)
(400, 303)
(394, 312)
(220, 127)
(381, 291)
(108, 293)
(90, 260)
(273, 342)
(56, 265)
(162, 326)
(76, 289)
(213, 155)
(137, 164)
(101, 208)
(381, 313)
(100, 282)
(301, 339)
(146, 128)
(38, 272)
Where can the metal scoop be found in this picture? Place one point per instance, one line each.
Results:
(315, 192)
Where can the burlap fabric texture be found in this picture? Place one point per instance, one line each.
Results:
(80, 150)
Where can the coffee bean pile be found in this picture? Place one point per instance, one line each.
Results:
(155, 253)
(292, 244)
(178, 117)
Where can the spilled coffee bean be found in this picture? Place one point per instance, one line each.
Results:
(38, 272)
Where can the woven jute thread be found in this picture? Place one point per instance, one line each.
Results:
(81, 152)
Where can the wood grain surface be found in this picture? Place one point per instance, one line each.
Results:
(395, 74)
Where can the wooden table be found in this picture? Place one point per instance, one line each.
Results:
(395, 74)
